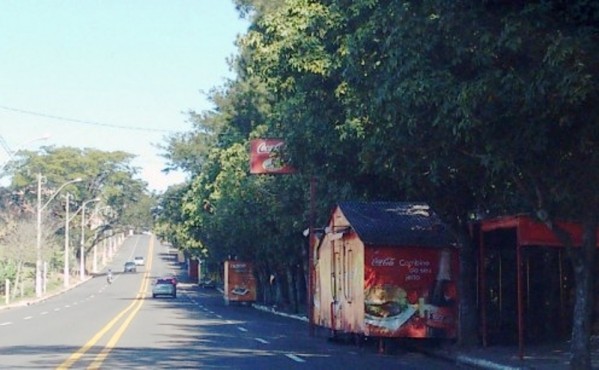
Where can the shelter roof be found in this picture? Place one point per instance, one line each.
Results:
(396, 224)
(532, 232)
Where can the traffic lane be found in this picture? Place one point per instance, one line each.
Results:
(50, 332)
(135, 245)
(45, 333)
(290, 338)
(166, 333)
(134, 341)
(81, 293)
(175, 333)
(195, 331)
(151, 339)
(168, 264)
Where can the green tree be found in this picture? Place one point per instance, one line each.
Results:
(486, 107)
(138, 214)
(108, 176)
(499, 118)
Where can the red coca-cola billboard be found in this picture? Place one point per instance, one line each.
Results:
(410, 292)
(240, 283)
(266, 157)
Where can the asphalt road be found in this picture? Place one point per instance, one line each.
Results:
(120, 326)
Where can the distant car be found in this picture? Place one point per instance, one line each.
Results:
(164, 287)
(207, 283)
(139, 261)
(130, 267)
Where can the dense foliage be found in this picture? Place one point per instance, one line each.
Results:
(478, 108)
(105, 183)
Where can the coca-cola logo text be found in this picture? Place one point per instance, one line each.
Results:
(263, 147)
(383, 261)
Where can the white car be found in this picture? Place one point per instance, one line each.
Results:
(139, 261)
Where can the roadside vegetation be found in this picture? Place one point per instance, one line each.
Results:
(480, 109)
(116, 202)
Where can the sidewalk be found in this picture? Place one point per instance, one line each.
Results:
(546, 357)
(549, 356)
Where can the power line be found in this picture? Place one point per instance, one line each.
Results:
(73, 120)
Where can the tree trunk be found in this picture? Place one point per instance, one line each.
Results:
(583, 306)
(291, 287)
(261, 291)
(278, 289)
(300, 286)
(306, 264)
(468, 314)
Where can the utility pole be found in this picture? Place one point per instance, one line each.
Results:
(66, 245)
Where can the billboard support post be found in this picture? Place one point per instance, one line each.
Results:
(311, 257)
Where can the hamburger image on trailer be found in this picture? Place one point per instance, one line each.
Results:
(386, 307)
(385, 301)
(406, 292)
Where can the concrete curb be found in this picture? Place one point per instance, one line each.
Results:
(485, 364)
(458, 359)
(272, 310)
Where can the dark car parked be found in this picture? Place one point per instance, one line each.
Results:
(207, 283)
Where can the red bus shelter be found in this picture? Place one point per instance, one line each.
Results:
(529, 232)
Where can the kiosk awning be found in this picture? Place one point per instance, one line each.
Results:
(532, 232)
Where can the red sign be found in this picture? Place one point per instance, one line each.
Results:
(240, 283)
(410, 292)
(266, 157)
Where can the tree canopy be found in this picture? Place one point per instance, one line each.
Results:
(478, 108)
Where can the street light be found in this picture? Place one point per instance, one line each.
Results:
(66, 245)
(40, 208)
(82, 247)
(11, 152)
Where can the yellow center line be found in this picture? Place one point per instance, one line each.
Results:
(139, 299)
(121, 330)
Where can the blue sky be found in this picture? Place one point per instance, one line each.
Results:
(112, 64)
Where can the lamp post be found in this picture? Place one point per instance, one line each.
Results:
(40, 208)
(82, 247)
(66, 246)
(11, 152)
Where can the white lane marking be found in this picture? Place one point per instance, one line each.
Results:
(67, 306)
(242, 329)
(294, 357)
(219, 316)
(261, 340)
(6, 323)
(44, 313)
(57, 309)
(28, 318)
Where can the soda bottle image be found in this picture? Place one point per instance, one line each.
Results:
(439, 313)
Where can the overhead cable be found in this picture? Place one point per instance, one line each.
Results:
(73, 120)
